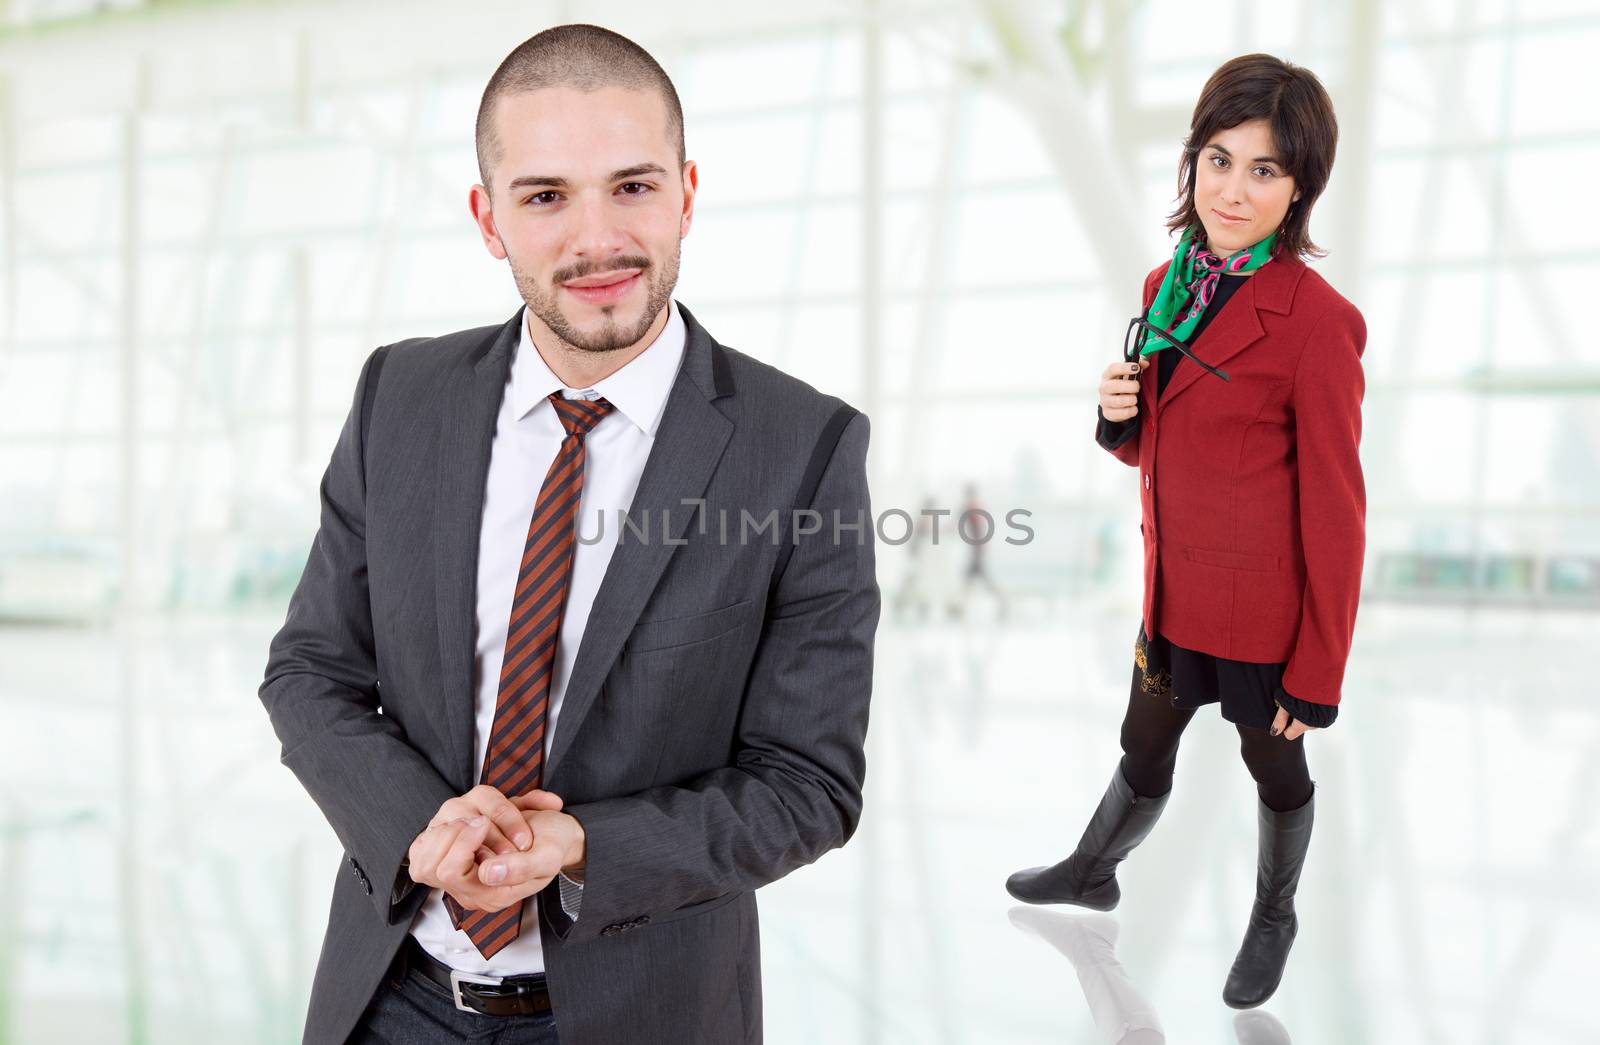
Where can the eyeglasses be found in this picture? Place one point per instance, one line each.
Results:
(1140, 330)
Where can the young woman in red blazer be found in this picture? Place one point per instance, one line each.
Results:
(1240, 404)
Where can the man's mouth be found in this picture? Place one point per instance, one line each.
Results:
(603, 288)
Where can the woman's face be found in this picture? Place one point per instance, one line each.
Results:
(1241, 188)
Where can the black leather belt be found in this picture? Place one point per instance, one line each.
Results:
(490, 995)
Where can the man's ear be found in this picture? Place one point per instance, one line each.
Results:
(691, 185)
(482, 210)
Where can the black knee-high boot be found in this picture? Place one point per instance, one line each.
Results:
(1088, 877)
(1283, 838)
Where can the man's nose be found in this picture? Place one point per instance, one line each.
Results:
(595, 235)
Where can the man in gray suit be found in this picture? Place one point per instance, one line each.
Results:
(561, 758)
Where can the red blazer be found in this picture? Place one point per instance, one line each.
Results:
(1254, 507)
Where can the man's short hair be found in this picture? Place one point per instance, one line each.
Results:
(585, 57)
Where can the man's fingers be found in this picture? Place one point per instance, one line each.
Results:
(458, 860)
(495, 840)
(454, 811)
(430, 848)
(475, 896)
(542, 862)
(508, 830)
(537, 799)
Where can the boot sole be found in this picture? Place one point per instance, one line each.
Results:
(1076, 901)
(1238, 1003)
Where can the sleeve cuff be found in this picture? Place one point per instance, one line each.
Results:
(1319, 715)
(571, 896)
(402, 883)
(1112, 434)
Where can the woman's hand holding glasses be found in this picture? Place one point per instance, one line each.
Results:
(1119, 389)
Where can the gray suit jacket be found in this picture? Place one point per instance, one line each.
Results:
(711, 739)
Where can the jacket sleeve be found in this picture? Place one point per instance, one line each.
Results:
(1121, 438)
(1326, 402)
(792, 790)
(321, 693)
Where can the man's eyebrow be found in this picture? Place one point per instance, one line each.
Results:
(636, 170)
(552, 182)
(1258, 159)
(538, 179)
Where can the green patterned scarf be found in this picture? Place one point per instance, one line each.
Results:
(1193, 274)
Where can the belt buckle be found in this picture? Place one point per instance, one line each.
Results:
(457, 978)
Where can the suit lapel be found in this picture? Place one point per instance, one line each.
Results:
(471, 404)
(687, 447)
(1238, 327)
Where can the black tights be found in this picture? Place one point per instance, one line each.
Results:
(1150, 734)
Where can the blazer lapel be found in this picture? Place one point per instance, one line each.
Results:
(1237, 327)
(687, 447)
(471, 403)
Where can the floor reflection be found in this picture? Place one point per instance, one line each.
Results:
(1123, 1014)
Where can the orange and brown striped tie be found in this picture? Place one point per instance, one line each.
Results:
(515, 756)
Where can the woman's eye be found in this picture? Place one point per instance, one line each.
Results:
(1265, 172)
(1218, 161)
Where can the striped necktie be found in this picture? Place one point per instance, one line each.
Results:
(514, 761)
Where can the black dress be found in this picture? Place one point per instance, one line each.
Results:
(1250, 694)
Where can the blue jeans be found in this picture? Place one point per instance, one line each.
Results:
(416, 1011)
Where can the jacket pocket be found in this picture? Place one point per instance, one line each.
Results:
(703, 907)
(680, 631)
(1233, 560)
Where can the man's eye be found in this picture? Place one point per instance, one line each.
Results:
(542, 198)
(634, 188)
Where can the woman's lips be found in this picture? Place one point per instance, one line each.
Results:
(605, 293)
(1228, 220)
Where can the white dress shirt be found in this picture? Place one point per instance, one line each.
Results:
(527, 436)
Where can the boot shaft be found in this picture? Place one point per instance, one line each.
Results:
(1283, 839)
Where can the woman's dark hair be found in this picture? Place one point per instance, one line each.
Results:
(1304, 132)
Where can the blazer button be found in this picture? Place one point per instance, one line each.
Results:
(1147, 480)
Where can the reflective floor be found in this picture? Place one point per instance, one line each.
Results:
(154, 845)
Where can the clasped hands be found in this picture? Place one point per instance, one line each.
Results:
(488, 851)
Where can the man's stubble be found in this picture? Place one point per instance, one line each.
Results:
(610, 336)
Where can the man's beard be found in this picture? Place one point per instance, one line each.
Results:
(610, 335)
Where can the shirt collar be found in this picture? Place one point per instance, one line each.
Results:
(638, 391)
